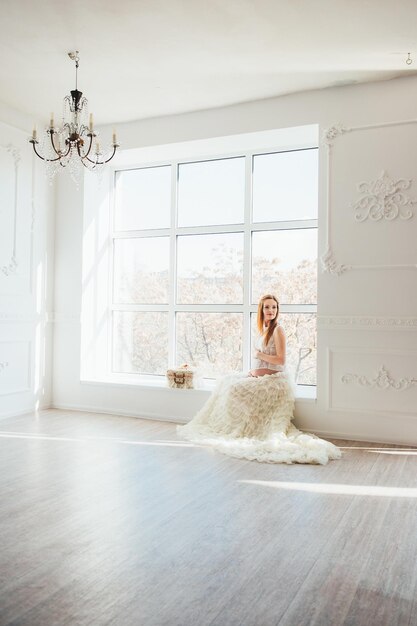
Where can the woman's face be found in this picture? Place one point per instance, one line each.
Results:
(270, 309)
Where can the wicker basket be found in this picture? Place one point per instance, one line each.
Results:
(181, 378)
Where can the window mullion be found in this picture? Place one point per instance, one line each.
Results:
(287, 225)
(140, 307)
(209, 308)
(298, 308)
(173, 266)
(110, 284)
(210, 230)
(247, 279)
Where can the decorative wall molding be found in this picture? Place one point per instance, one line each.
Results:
(22, 318)
(32, 222)
(383, 380)
(349, 388)
(394, 201)
(383, 198)
(356, 322)
(11, 265)
(16, 375)
(47, 317)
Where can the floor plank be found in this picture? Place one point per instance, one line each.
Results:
(114, 520)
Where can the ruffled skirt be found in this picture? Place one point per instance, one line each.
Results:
(250, 418)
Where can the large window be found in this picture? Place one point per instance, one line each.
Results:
(195, 244)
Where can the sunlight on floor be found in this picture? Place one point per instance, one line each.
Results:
(403, 451)
(349, 490)
(34, 436)
(396, 452)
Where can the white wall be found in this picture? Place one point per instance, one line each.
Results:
(26, 271)
(367, 313)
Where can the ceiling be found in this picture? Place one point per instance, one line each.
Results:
(147, 58)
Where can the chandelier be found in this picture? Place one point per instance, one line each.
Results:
(74, 142)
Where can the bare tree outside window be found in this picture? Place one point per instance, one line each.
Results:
(211, 342)
(210, 269)
(140, 342)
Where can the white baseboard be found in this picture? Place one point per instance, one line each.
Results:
(163, 418)
(398, 441)
(115, 412)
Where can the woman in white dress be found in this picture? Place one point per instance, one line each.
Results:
(249, 417)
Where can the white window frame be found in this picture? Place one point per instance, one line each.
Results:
(248, 226)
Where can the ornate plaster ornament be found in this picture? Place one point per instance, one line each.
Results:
(330, 134)
(382, 381)
(11, 267)
(3, 365)
(330, 265)
(383, 198)
(15, 152)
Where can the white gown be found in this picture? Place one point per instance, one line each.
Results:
(250, 418)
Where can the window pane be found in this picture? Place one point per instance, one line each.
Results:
(210, 269)
(285, 186)
(210, 341)
(143, 198)
(141, 270)
(301, 334)
(140, 342)
(211, 192)
(284, 262)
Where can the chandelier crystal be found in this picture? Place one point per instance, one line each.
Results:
(73, 144)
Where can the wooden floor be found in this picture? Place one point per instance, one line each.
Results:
(113, 520)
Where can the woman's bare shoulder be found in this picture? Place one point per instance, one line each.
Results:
(279, 331)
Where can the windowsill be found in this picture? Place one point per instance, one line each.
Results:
(306, 392)
(302, 392)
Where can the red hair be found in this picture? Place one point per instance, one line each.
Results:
(261, 318)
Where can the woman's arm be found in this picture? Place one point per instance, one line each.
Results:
(263, 371)
(279, 340)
